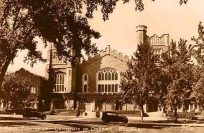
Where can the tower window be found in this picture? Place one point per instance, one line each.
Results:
(85, 83)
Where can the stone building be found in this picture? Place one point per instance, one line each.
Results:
(98, 78)
(159, 44)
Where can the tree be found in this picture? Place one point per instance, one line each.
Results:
(54, 21)
(198, 54)
(199, 45)
(138, 82)
(14, 93)
(177, 64)
(199, 93)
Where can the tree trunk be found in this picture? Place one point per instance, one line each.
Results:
(3, 70)
(52, 111)
(77, 109)
(141, 113)
(175, 115)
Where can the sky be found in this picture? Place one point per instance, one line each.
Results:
(160, 17)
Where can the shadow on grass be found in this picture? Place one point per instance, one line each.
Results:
(18, 118)
(14, 124)
(10, 118)
(89, 124)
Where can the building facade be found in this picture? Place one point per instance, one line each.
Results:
(98, 78)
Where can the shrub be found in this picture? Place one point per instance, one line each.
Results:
(182, 115)
(77, 113)
(98, 114)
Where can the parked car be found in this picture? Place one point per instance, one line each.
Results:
(109, 116)
(30, 112)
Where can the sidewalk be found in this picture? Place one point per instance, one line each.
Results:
(148, 118)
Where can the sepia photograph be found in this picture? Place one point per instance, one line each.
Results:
(101, 66)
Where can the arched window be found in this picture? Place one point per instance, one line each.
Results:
(106, 76)
(59, 82)
(107, 81)
(116, 76)
(102, 76)
(85, 83)
(109, 76)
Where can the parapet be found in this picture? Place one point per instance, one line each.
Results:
(108, 51)
(159, 40)
(141, 28)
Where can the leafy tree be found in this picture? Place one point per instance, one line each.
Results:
(178, 66)
(138, 82)
(54, 21)
(199, 93)
(199, 46)
(15, 93)
(199, 56)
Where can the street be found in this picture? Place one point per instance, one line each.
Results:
(53, 124)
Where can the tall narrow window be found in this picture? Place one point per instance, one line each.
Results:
(85, 88)
(99, 88)
(60, 83)
(106, 76)
(99, 76)
(116, 76)
(109, 76)
(102, 76)
(85, 83)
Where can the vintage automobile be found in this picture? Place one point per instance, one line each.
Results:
(30, 112)
(109, 116)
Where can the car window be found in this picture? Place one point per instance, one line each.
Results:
(111, 114)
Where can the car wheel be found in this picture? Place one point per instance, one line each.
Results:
(44, 117)
(105, 121)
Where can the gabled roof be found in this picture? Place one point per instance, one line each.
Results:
(25, 75)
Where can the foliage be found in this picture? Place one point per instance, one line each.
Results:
(182, 115)
(15, 92)
(199, 45)
(198, 55)
(97, 114)
(178, 66)
(58, 22)
(199, 93)
(16, 89)
(139, 81)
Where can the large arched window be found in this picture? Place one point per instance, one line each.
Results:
(85, 83)
(107, 81)
(60, 82)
